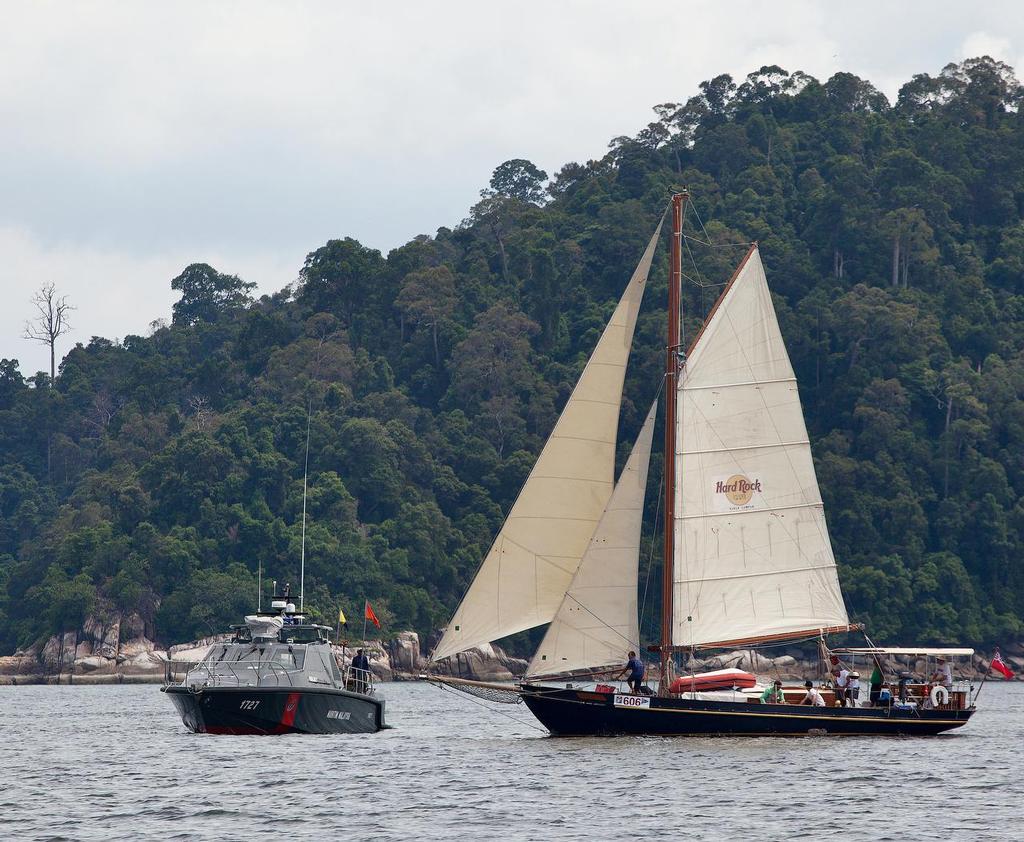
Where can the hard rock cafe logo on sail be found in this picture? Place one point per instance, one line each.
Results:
(738, 489)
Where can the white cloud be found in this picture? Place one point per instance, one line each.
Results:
(984, 44)
(141, 137)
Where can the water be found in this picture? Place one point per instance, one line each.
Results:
(104, 763)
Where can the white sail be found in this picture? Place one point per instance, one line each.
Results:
(596, 624)
(529, 567)
(753, 556)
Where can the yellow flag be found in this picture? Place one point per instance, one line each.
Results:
(341, 616)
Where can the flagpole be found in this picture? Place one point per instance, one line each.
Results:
(988, 672)
(366, 604)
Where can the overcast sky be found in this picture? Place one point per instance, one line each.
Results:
(136, 138)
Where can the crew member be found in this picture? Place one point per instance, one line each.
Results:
(840, 678)
(876, 683)
(773, 695)
(943, 673)
(813, 696)
(360, 672)
(853, 688)
(635, 668)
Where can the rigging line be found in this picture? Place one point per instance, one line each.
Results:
(696, 213)
(602, 622)
(737, 244)
(700, 285)
(487, 707)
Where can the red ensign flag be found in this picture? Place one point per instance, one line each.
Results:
(370, 615)
(1000, 666)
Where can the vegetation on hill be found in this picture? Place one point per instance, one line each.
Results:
(153, 474)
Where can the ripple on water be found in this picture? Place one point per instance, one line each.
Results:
(99, 763)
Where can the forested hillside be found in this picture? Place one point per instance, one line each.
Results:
(154, 473)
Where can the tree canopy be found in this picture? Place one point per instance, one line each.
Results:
(159, 471)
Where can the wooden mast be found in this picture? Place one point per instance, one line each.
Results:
(672, 352)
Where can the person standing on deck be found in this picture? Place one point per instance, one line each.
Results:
(853, 688)
(943, 673)
(840, 678)
(361, 671)
(635, 668)
(876, 683)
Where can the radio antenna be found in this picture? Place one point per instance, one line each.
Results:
(305, 475)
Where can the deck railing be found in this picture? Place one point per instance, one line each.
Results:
(257, 674)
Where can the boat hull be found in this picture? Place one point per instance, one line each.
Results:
(567, 712)
(268, 710)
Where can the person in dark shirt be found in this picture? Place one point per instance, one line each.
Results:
(360, 672)
(635, 668)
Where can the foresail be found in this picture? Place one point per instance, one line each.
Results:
(596, 624)
(529, 567)
(752, 551)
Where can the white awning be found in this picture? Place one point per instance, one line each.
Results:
(901, 650)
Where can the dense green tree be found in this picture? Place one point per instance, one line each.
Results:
(207, 294)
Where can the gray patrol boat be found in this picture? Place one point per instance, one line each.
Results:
(276, 675)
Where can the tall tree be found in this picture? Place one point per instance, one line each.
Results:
(50, 323)
(206, 294)
(519, 179)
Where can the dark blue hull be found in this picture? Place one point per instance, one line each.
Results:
(585, 713)
(269, 710)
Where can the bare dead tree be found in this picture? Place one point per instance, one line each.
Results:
(201, 412)
(51, 323)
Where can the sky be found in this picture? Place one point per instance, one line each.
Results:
(137, 138)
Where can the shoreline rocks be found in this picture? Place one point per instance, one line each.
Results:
(116, 651)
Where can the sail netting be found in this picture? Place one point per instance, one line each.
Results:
(505, 694)
(526, 573)
(596, 623)
(753, 556)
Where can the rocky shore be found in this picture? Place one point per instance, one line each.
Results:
(117, 651)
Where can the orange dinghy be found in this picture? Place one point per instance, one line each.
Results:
(717, 680)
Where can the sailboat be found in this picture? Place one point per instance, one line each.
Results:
(747, 557)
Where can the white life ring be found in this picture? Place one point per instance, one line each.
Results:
(939, 696)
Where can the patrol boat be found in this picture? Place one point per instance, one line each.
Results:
(747, 557)
(277, 675)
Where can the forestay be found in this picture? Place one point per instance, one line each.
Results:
(529, 567)
(596, 623)
(753, 556)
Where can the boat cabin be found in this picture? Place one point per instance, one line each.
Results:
(268, 652)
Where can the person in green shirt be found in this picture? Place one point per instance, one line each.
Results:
(773, 695)
(876, 684)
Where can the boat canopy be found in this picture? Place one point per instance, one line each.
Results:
(902, 650)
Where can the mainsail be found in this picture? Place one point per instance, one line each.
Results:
(753, 556)
(596, 623)
(524, 576)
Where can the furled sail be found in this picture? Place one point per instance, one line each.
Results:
(525, 574)
(752, 553)
(596, 623)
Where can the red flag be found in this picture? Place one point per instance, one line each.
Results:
(369, 615)
(999, 665)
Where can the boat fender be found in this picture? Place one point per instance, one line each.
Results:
(939, 695)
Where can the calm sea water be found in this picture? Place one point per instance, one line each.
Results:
(103, 763)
